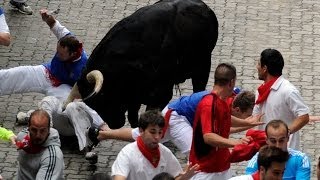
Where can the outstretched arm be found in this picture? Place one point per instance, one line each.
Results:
(58, 30)
(250, 121)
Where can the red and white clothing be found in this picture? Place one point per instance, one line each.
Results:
(180, 128)
(179, 131)
(132, 164)
(285, 103)
(213, 115)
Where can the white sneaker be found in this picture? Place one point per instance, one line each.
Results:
(22, 118)
(21, 7)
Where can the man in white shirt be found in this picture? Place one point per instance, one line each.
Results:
(146, 157)
(277, 98)
(271, 163)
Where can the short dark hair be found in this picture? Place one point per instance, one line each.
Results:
(163, 176)
(100, 176)
(273, 59)
(224, 73)
(151, 117)
(71, 42)
(39, 112)
(276, 124)
(244, 100)
(269, 154)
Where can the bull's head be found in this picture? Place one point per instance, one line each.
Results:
(94, 76)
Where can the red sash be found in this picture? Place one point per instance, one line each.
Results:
(153, 155)
(264, 90)
(256, 176)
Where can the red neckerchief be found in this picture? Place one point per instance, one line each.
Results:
(27, 146)
(166, 121)
(256, 176)
(264, 90)
(153, 155)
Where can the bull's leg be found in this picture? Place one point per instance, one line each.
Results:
(161, 97)
(114, 115)
(200, 73)
(133, 114)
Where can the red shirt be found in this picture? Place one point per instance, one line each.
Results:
(217, 158)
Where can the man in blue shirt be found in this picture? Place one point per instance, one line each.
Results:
(54, 78)
(298, 165)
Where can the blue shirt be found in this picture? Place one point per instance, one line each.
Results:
(67, 72)
(187, 105)
(297, 167)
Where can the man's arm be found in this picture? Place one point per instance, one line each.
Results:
(5, 39)
(300, 110)
(298, 123)
(118, 177)
(57, 29)
(239, 129)
(189, 172)
(215, 140)
(250, 121)
(52, 165)
(124, 134)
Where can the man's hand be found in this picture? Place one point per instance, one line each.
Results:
(254, 120)
(244, 140)
(46, 17)
(189, 171)
(13, 139)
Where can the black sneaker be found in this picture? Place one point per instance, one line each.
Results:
(21, 7)
(92, 140)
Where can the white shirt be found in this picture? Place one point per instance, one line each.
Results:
(131, 164)
(243, 177)
(3, 24)
(284, 103)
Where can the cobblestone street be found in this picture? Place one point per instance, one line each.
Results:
(245, 29)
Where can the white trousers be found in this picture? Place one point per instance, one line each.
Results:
(75, 120)
(24, 79)
(179, 131)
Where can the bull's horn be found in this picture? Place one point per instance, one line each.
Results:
(74, 94)
(96, 77)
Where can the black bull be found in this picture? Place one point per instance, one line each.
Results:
(145, 54)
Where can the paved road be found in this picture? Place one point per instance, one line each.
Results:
(246, 28)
